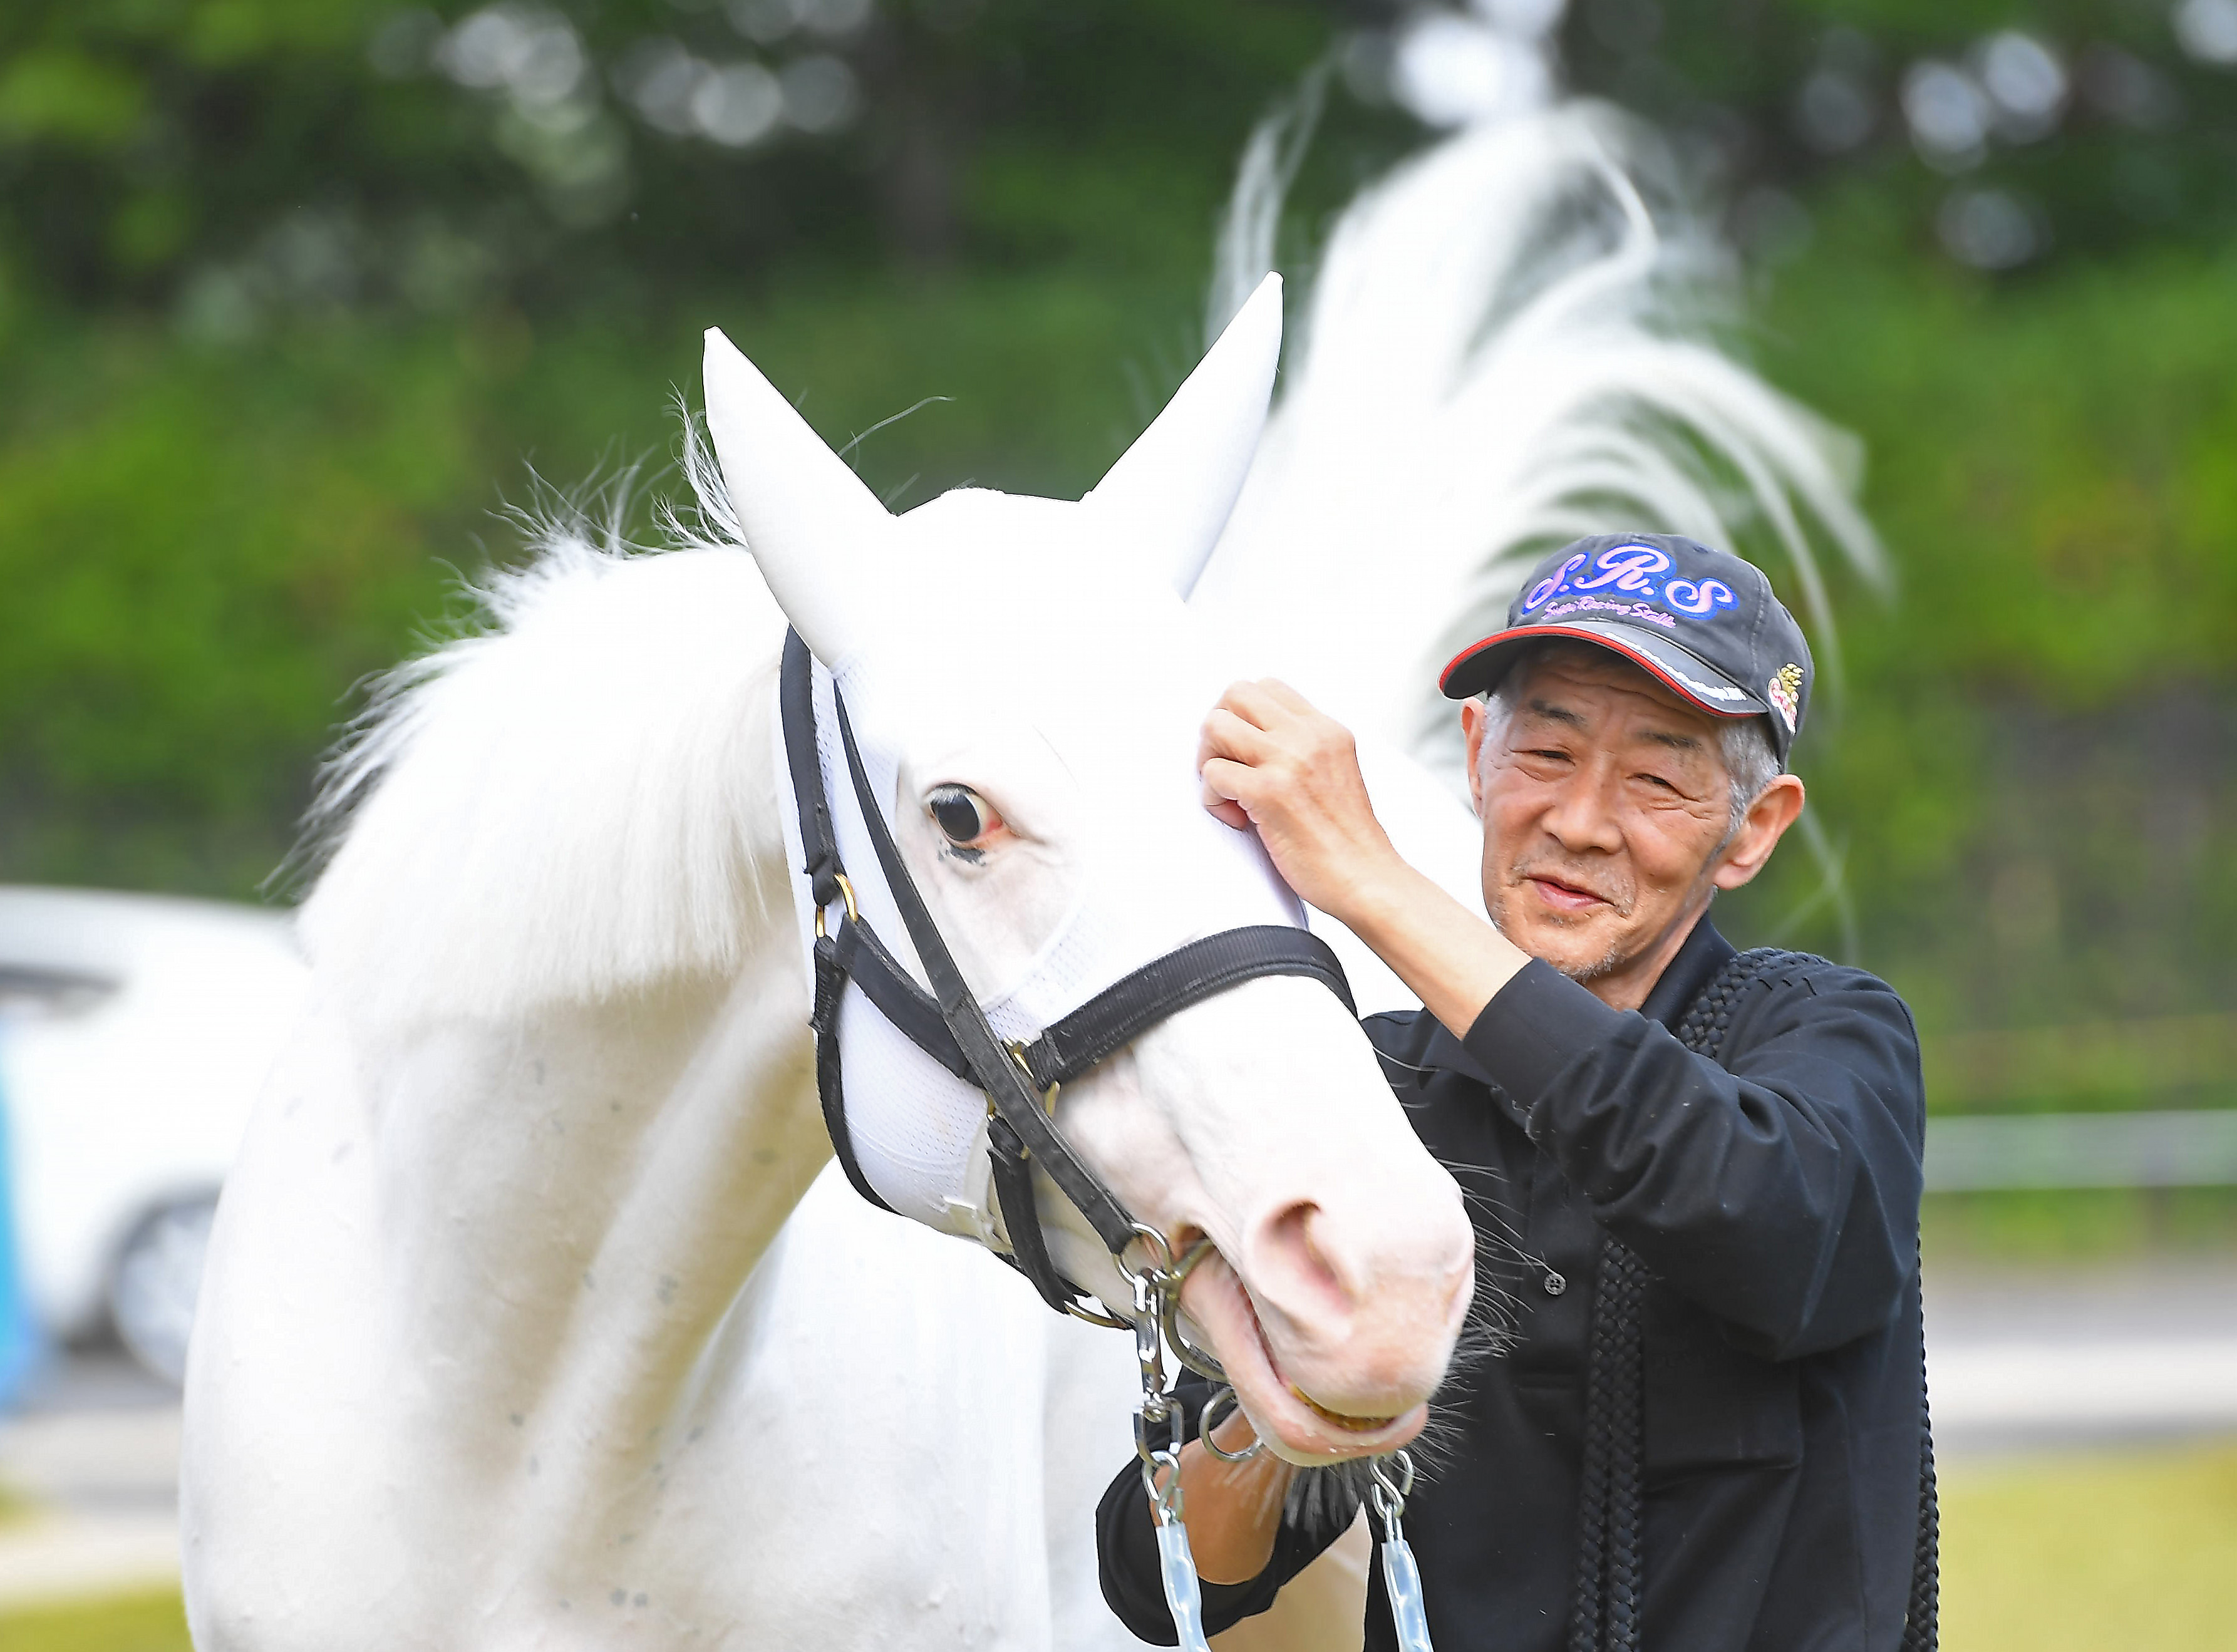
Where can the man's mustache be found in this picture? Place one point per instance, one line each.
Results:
(1561, 872)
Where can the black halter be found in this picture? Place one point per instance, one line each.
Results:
(947, 1024)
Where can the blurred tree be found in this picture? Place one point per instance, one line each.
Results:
(229, 158)
(287, 291)
(2005, 132)
(233, 157)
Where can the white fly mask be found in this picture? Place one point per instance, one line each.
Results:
(919, 1132)
(1027, 665)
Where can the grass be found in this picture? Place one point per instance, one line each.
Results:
(2092, 1553)
(150, 1621)
(2134, 1550)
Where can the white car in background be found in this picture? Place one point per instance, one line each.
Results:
(135, 1034)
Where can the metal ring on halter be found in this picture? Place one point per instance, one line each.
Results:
(1162, 1280)
(1160, 1257)
(1190, 1257)
(1203, 1426)
(1157, 1290)
(1078, 1309)
(1201, 1361)
(846, 893)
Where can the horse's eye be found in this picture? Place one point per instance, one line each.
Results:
(962, 814)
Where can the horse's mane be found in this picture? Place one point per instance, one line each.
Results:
(570, 799)
(1513, 339)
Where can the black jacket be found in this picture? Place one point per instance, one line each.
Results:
(1774, 1201)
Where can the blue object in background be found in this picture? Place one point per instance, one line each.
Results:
(20, 1346)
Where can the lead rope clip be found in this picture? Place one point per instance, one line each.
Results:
(1401, 1578)
(1161, 1465)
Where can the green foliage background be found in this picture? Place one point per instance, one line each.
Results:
(285, 314)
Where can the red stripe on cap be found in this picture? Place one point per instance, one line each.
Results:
(1653, 667)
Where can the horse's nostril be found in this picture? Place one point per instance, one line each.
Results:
(1296, 1265)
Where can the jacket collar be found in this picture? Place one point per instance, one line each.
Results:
(1704, 953)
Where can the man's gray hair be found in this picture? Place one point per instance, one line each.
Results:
(1744, 742)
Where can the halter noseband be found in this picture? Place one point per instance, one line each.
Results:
(948, 1024)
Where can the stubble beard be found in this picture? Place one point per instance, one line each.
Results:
(1618, 953)
(1607, 962)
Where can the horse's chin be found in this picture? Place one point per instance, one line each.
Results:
(1293, 1424)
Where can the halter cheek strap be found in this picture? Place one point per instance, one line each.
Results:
(948, 1024)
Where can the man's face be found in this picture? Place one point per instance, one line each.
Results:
(1604, 803)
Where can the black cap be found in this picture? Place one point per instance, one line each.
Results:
(1704, 622)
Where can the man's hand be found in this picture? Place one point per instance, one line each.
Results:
(1270, 760)
(1233, 1511)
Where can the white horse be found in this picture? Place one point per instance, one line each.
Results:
(484, 1357)
(485, 1354)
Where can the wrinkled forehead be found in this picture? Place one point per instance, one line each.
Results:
(1600, 694)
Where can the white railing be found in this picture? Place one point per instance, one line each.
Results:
(2189, 1149)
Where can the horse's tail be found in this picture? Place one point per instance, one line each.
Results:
(1511, 340)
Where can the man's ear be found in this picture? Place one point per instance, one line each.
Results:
(1778, 808)
(1474, 720)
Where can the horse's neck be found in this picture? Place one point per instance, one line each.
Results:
(560, 936)
(574, 1202)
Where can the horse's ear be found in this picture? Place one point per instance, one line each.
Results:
(1173, 489)
(819, 534)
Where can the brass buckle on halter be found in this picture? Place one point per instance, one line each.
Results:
(846, 893)
(1016, 1049)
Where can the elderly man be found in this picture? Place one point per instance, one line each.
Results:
(1695, 1174)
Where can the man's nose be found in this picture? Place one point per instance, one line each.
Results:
(1582, 818)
